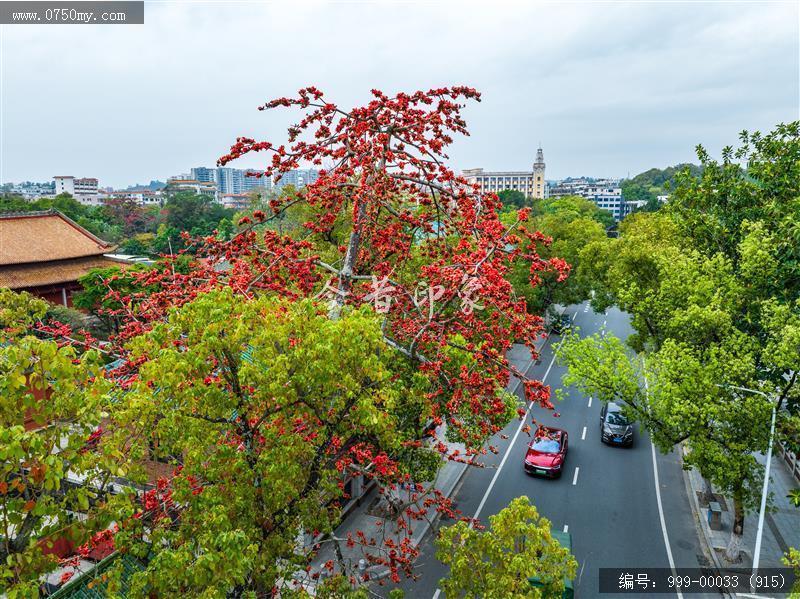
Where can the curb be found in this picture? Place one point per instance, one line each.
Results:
(705, 540)
(384, 572)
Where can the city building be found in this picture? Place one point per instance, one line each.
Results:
(231, 180)
(85, 190)
(143, 197)
(605, 193)
(45, 253)
(297, 178)
(237, 201)
(203, 174)
(531, 183)
(30, 190)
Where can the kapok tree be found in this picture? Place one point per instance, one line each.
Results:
(421, 245)
(392, 229)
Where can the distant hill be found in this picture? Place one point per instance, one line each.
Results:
(152, 186)
(659, 177)
(652, 183)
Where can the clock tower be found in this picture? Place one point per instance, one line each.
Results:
(538, 175)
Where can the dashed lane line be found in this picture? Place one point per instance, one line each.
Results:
(505, 456)
(575, 476)
(590, 403)
(583, 434)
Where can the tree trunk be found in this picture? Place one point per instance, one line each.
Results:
(732, 553)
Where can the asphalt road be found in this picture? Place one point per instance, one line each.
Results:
(606, 496)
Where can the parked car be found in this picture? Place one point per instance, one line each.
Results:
(615, 428)
(561, 324)
(547, 452)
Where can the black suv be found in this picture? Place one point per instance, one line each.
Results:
(615, 428)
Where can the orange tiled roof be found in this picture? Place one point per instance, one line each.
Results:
(19, 276)
(45, 237)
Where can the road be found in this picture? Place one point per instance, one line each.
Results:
(607, 496)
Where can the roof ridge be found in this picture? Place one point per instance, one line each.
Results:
(17, 214)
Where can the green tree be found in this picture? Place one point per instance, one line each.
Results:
(711, 283)
(513, 199)
(98, 283)
(51, 401)
(571, 223)
(194, 213)
(261, 401)
(499, 561)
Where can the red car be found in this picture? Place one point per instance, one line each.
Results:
(547, 452)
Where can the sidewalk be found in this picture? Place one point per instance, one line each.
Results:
(364, 519)
(781, 521)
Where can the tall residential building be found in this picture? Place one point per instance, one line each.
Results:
(252, 181)
(204, 175)
(298, 178)
(230, 180)
(605, 193)
(531, 183)
(84, 190)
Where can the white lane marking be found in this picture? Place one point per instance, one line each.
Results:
(583, 434)
(508, 451)
(604, 323)
(660, 506)
(575, 478)
(574, 316)
(510, 446)
(566, 528)
(590, 403)
(586, 309)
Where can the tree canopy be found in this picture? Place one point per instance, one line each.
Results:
(711, 284)
(499, 561)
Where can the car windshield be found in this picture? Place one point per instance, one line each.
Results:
(546, 445)
(616, 418)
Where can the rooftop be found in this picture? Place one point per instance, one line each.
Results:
(45, 236)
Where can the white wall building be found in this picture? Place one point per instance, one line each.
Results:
(85, 190)
(605, 193)
(531, 183)
(143, 197)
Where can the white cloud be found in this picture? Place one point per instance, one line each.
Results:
(608, 88)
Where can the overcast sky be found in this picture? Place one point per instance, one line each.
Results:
(607, 88)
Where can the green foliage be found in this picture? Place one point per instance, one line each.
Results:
(51, 400)
(18, 312)
(513, 199)
(664, 179)
(258, 399)
(792, 560)
(571, 222)
(193, 213)
(712, 284)
(98, 282)
(498, 562)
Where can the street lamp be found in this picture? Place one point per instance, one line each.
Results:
(759, 532)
